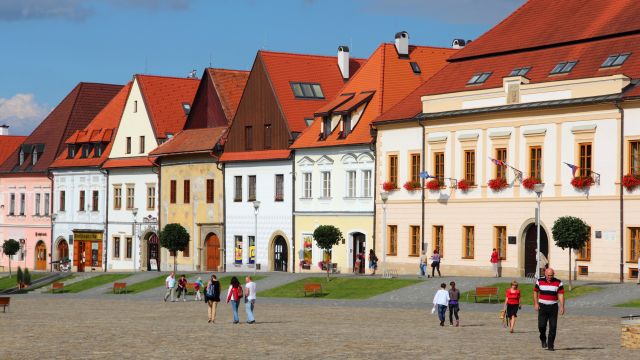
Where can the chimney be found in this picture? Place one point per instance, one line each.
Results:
(4, 129)
(343, 61)
(402, 43)
(458, 43)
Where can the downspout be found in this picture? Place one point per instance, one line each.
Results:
(372, 147)
(106, 220)
(224, 215)
(293, 212)
(50, 176)
(621, 110)
(159, 204)
(423, 183)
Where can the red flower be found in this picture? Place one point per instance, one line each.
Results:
(497, 184)
(630, 182)
(434, 185)
(463, 185)
(388, 186)
(582, 182)
(412, 185)
(529, 182)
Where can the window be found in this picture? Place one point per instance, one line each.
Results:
(185, 251)
(392, 235)
(615, 60)
(141, 144)
(326, 126)
(37, 213)
(308, 121)
(438, 166)
(634, 243)
(279, 187)
(94, 200)
(151, 197)
(520, 71)
(252, 188)
(129, 248)
(47, 204)
(415, 168)
(479, 78)
(173, 191)
(393, 169)
(500, 233)
(131, 191)
(135, 106)
(501, 156)
(117, 197)
(21, 159)
(267, 136)
(238, 189)
(98, 149)
(22, 203)
(351, 184)
(238, 249)
(63, 198)
(128, 145)
(468, 238)
(585, 159)
(252, 249)
(116, 247)
(86, 150)
(210, 184)
(34, 156)
(306, 185)
(186, 107)
(248, 137)
(564, 67)
(584, 253)
(12, 204)
(414, 243)
(438, 239)
(81, 207)
(307, 90)
(535, 162)
(186, 191)
(346, 125)
(415, 67)
(470, 166)
(326, 184)
(634, 157)
(366, 183)
(71, 151)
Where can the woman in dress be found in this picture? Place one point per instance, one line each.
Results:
(512, 304)
(234, 295)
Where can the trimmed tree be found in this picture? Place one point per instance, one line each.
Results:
(570, 232)
(174, 237)
(27, 277)
(326, 236)
(10, 247)
(19, 278)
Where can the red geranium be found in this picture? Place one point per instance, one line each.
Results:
(497, 184)
(463, 185)
(434, 185)
(582, 182)
(388, 186)
(412, 185)
(630, 182)
(530, 182)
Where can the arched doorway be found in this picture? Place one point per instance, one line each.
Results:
(280, 254)
(62, 252)
(153, 252)
(358, 252)
(41, 256)
(212, 244)
(530, 244)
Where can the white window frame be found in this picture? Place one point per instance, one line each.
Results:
(352, 186)
(307, 185)
(326, 184)
(366, 183)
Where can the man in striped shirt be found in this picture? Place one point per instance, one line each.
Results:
(547, 293)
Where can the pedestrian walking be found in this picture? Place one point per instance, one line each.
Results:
(197, 287)
(440, 302)
(544, 263)
(212, 297)
(249, 299)
(454, 306)
(547, 293)
(495, 258)
(170, 284)
(373, 262)
(435, 263)
(424, 259)
(512, 304)
(182, 287)
(234, 295)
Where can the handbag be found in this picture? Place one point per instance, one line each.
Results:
(502, 314)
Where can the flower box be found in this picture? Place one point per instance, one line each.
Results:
(497, 184)
(434, 185)
(529, 183)
(463, 185)
(412, 185)
(630, 182)
(389, 186)
(582, 182)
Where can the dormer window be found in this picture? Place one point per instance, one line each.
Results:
(186, 107)
(307, 90)
(71, 151)
(522, 71)
(564, 67)
(98, 148)
(21, 160)
(34, 157)
(415, 67)
(479, 78)
(86, 150)
(346, 125)
(615, 60)
(308, 121)
(326, 124)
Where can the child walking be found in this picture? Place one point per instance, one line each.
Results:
(197, 287)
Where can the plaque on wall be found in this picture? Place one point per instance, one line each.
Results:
(512, 240)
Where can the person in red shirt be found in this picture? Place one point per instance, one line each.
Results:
(547, 294)
(495, 257)
(512, 304)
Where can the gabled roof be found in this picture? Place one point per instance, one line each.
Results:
(383, 81)
(101, 130)
(8, 145)
(229, 85)
(74, 112)
(129, 162)
(163, 98)
(540, 23)
(190, 141)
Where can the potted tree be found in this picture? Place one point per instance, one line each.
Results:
(569, 232)
(174, 237)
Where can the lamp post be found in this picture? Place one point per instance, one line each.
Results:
(134, 211)
(537, 188)
(53, 219)
(384, 196)
(256, 206)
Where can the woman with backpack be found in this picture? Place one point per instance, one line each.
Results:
(212, 297)
(234, 295)
(373, 262)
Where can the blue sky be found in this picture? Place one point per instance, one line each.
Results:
(51, 45)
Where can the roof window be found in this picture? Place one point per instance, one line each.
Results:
(479, 78)
(308, 121)
(522, 71)
(307, 90)
(564, 67)
(615, 60)
(415, 67)
(186, 107)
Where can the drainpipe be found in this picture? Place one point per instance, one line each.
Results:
(621, 110)
(50, 176)
(372, 147)
(293, 211)
(423, 183)
(156, 169)
(224, 217)
(106, 220)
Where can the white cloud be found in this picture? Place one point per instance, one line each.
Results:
(22, 113)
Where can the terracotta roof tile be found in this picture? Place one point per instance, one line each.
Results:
(255, 155)
(229, 85)
(337, 101)
(191, 141)
(8, 145)
(129, 162)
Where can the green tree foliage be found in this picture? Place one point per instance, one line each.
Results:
(10, 247)
(19, 277)
(174, 237)
(27, 277)
(326, 236)
(570, 233)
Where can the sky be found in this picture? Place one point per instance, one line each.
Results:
(51, 45)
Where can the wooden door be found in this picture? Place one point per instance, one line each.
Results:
(81, 257)
(213, 252)
(280, 254)
(41, 256)
(530, 245)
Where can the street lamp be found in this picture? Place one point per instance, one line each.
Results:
(134, 211)
(256, 206)
(384, 196)
(53, 219)
(537, 188)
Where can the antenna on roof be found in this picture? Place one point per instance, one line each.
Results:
(210, 62)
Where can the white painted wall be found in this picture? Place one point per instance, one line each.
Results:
(404, 142)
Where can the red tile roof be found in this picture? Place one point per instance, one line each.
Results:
(229, 86)
(129, 162)
(541, 23)
(163, 98)
(391, 78)
(77, 109)
(8, 145)
(101, 129)
(190, 141)
(255, 155)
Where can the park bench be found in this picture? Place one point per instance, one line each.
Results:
(4, 302)
(119, 287)
(314, 288)
(485, 292)
(57, 286)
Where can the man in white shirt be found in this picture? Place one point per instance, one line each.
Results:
(440, 301)
(170, 284)
(249, 298)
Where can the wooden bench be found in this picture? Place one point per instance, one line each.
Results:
(57, 286)
(485, 292)
(314, 288)
(119, 287)
(4, 302)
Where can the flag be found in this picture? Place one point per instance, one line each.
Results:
(497, 162)
(425, 175)
(574, 168)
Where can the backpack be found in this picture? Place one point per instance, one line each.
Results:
(210, 290)
(239, 293)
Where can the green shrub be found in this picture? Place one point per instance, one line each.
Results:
(27, 277)
(20, 276)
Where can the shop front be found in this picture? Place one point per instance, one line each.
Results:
(87, 250)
